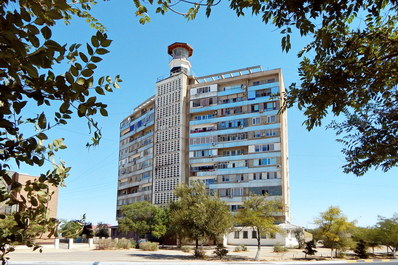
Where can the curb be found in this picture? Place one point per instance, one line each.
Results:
(372, 260)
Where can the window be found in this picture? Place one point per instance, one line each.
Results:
(236, 235)
(270, 105)
(202, 90)
(256, 121)
(245, 234)
(254, 234)
(271, 119)
(255, 108)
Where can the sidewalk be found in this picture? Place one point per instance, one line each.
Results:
(84, 255)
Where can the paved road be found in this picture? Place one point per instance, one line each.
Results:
(368, 262)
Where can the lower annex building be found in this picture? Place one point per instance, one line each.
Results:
(224, 129)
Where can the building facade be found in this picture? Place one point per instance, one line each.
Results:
(22, 178)
(223, 129)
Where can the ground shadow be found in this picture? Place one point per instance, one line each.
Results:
(156, 256)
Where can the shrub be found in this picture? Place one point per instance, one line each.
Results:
(105, 244)
(278, 248)
(237, 249)
(200, 253)
(185, 249)
(125, 243)
(309, 248)
(149, 246)
(240, 248)
(220, 251)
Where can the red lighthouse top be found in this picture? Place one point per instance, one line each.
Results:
(180, 45)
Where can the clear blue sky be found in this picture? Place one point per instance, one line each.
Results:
(222, 42)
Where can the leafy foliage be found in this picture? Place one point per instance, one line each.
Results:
(28, 56)
(71, 229)
(102, 230)
(387, 228)
(278, 248)
(334, 229)
(258, 213)
(198, 215)
(361, 250)
(220, 251)
(348, 68)
(310, 248)
(370, 235)
(143, 218)
(299, 235)
(149, 246)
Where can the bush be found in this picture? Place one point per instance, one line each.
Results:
(243, 248)
(309, 248)
(185, 249)
(125, 243)
(278, 248)
(240, 248)
(220, 251)
(149, 246)
(200, 253)
(237, 249)
(106, 244)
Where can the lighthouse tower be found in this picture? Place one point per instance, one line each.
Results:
(180, 52)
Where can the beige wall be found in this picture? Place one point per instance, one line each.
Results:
(53, 204)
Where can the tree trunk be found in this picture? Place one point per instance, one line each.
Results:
(196, 243)
(331, 253)
(258, 246)
(394, 251)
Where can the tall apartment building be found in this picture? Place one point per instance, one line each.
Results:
(223, 129)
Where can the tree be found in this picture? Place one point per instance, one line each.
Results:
(361, 249)
(388, 232)
(28, 78)
(199, 215)
(348, 69)
(300, 236)
(71, 229)
(310, 248)
(334, 229)
(370, 235)
(102, 230)
(143, 218)
(258, 213)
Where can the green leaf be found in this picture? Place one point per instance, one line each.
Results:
(101, 51)
(89, 49)
(96, 59)
(69, 78)
(64, 107)
(106, 43)
(87, 72)
(91, 66)
(104, 112)
(42, 121)
(46, 32)
(99, 90)
(94, 41)
(74, 71)
(34, 201)
(42, 136)
(83, 57)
